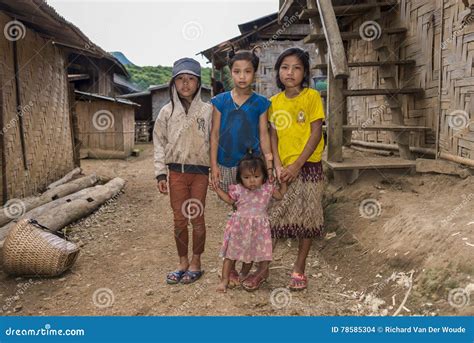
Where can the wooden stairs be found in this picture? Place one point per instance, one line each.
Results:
(327, 36)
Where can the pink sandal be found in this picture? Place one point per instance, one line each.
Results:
(234, 279)
(298, 282)
(254, 281)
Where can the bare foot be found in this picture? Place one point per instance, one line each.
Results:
(222, 288)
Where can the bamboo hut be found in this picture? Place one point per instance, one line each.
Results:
(106, 125)
(399, 74)
(37, 145)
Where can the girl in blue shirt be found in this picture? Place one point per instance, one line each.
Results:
(239, 123)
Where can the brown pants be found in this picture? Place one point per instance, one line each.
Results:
(188, 198)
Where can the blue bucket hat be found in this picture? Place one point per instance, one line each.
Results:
(186, 66)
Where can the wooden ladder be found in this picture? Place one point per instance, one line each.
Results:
(339, 132)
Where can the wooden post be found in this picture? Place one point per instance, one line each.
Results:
(4, 195)
(337, 54)
(335, 116)
(76, 143)
(19, 109)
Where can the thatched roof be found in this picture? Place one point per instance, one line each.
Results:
(43, 18)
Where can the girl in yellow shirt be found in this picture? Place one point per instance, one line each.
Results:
(296, 115)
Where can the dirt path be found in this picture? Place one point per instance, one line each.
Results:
(127, 249)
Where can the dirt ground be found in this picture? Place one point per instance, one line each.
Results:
(389, 237)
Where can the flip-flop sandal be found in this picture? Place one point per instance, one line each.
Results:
(255, 282)
(298, 282)
(191, 276)
(175, 277)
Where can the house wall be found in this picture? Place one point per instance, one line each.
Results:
(106, 125)
(265, 83)
(423, 20)
(44, 109)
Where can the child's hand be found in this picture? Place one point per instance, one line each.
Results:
(278, 173)
(215, 177)
(213, 188)
(162, 186)
(271, 176)
(290, 173)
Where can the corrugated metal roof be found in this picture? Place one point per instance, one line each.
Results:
(94, 96)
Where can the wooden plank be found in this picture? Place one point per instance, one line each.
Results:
(370, 64)
(348, 9)
(3, 160)
(313, 38)
(284, 10)
(337, 53)
(366, 163)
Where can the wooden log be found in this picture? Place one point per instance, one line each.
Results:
(337, 53)
(69, 176)
(441, 167)
(63, 211)
(373, 151)
(394, 147)
(50, 195)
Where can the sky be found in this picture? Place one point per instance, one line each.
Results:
(156, 32)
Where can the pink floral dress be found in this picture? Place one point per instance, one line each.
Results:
(247, 236)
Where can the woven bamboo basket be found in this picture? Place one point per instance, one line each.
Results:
(30, 249)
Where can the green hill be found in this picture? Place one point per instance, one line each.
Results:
(149, 75)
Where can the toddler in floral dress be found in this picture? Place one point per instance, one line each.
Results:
(247, 237)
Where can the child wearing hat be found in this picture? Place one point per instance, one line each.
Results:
(181, 158)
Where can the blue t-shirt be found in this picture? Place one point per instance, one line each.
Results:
(239, 129)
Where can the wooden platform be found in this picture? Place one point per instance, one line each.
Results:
(347, 172)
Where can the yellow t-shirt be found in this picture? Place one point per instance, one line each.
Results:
(292, 120)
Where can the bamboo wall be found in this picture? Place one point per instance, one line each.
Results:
(103, 132)
(266, 76)
(45, 111)
(421, 43)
